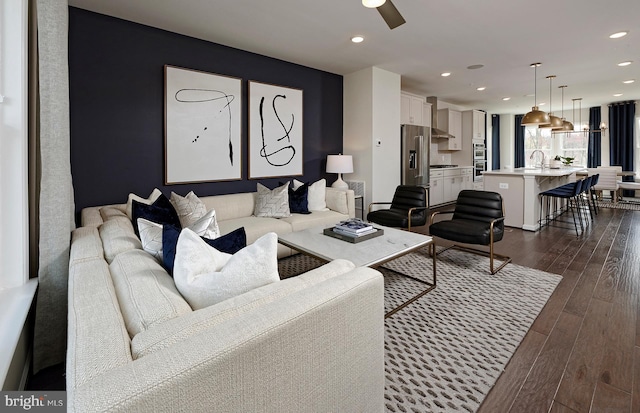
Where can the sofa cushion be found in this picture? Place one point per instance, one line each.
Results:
(146, 293)
(152, 239)
(161, 212)
(316, 196)
(206, 276)
(231, 206)
(256, 227)
(189, 208)
(85, 245)
(117, 237)
(316, 219)
(298, 199)
(97, 340)
(179, 329)
(113, 212)
(150, 200)
(338, 201)
(272, 203)
(229, 243)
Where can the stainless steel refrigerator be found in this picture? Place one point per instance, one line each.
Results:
(416, 145)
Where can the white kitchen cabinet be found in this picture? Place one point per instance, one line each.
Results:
(473, 125)
(452, 184)
(426, 114)
(450, 121)
(467, 178)
(436, 187)
(411, 109)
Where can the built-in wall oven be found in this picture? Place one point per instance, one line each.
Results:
(479, 160)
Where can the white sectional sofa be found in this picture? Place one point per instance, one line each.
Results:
(312, 343)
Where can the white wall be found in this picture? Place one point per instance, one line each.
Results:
(371, 114)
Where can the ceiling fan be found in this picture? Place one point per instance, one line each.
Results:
(387, 10)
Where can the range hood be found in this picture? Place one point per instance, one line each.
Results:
(435, 132)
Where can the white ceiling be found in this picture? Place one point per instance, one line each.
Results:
(569, 37)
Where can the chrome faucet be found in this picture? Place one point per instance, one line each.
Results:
(534, 152)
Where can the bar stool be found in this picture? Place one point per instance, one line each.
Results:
(568, 193)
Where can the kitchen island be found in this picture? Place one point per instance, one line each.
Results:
(520, 187)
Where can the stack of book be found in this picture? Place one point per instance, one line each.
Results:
(354, 227)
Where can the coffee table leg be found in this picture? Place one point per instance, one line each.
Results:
(431, 286)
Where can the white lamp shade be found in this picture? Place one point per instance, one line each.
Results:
(373, 3)
(339, 164)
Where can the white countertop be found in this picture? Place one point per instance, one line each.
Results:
(563, 171)
(453, 167)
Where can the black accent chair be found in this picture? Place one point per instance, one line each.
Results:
(478, 218)
(408, 208)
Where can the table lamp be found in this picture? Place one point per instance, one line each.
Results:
(339, 164)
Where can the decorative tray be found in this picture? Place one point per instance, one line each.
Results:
(353, 239)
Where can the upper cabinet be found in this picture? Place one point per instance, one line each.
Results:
(426, 114)
(473, 125)
(450, 121)
(412, 109)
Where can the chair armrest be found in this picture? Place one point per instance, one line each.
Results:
(438, 212)
(377, 203)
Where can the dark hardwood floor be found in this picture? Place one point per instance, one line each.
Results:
(582, 353)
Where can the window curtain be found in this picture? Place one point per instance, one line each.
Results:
(495, 142)
(519, 144)
(621, 131)
(55, 192)
(594, 151)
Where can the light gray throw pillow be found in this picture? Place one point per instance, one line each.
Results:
(272, 203)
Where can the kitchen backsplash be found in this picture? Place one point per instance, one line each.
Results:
(439, 158)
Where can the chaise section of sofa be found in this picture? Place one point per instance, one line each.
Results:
(314, 342)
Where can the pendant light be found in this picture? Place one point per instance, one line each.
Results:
(535, 117)
(579, 113)
(566, 125)
(555, 123)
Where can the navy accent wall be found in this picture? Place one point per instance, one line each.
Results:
(116, 75)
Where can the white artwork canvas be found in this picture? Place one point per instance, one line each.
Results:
(275, 131)
(202, 126)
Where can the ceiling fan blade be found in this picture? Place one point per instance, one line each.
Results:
(391, 15)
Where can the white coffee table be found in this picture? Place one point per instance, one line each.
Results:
(373, 252)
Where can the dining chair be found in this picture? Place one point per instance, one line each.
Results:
(608, 181)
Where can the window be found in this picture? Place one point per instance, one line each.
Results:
(574, 145)
(570, 145)
(537, 139)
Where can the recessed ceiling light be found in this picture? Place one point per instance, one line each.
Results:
(629, 81)
(541, 103)
(373, 3)
(481, 88)
(506, 98)
(618, 35)
(473, 67)
(445, 74)
(617, 94)
(627, 63)
(357, 39)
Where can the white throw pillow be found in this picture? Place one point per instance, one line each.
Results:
(205, 276)
(189, 208)
(151, 232)
(272, 203)
(316, 195)
(150, 200)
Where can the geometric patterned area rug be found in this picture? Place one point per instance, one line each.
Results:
(633, 205)
(445, 351)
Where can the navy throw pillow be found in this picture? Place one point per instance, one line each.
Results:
(229, 243)
(298, 199)
(160, 212)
